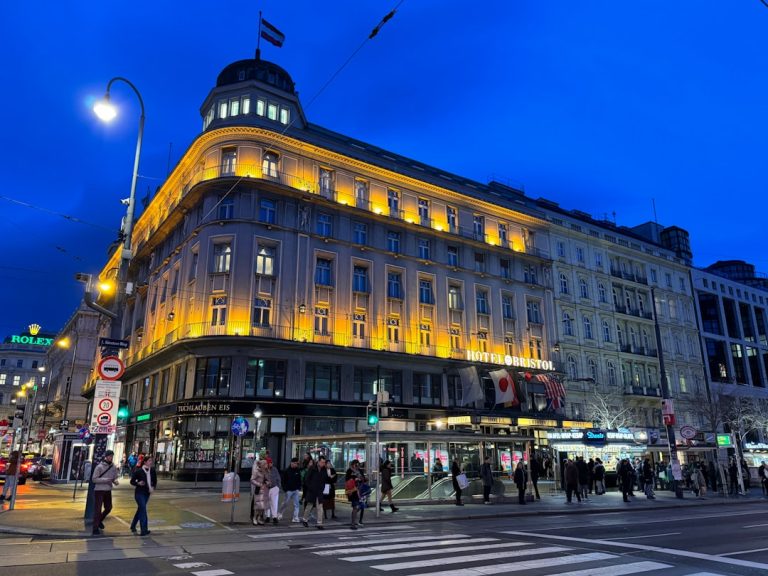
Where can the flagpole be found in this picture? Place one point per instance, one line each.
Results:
(258, 40)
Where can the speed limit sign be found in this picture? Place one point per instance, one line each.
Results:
(105, 404)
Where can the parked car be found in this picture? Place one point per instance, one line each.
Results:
(40, 468)
(22, 472)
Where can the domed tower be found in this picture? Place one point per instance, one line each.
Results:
(253, 92)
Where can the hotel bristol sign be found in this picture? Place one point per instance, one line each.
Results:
(507, 360)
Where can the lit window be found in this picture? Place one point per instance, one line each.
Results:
(272, 111)
(223, 109)
(269, 164)
(246, 105)
(222, 257)
(3, 378)
(265, 261)
(261, 106)
(284, 115)
(234, 107)
(218, 310)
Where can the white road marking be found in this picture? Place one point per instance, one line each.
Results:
(617, 569)
(705, 574)
(468, 559)
(119, 520)
(190, 565)
(210, 520)
(743, 552)
(755, 526)
(403, 545)
(645, 536)
(385, 540)
(670, 551)
(524, 565)
(213, 573)
(303, 532)
(402, 554)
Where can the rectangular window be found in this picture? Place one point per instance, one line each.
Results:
(454, 298)
(560, 250)
(180, 383)
(453, 256)
(246, 105)
(393, 330)
(360, 279)
(267, 211)
(261, 107)
(261, 312)
(323, 272)
(3, 378)
(452, 217)
(360, 233)
(228, 161)
(364, 383)
(668, 279)
(507, 307)
(425, 334)
(358, 326)
(653, 275)
(393, 242)
(322, 381)
(234, 106)
(424, 251)
(324, 225)
(533, 309)
(427, 389)
(425, 292)
(285, 115)
(481, 300)
(265, 261)
(424, 211)
(479, 262)
(265, 378)
(393, 202)
(529, 274)
(598, 259)
(226, 209)
(321, 321)
(17, 380)
(222, 257)
(272, 111)
(394, 285)
(502, 233)
(218, 310)
(269, 165)
(326, 182)
(505, 268)
(478, 227)
(579, 254)
(193, 266)
(212, 376)
(223, 109)
(534, 348)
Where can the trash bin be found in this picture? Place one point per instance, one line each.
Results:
(230, 487)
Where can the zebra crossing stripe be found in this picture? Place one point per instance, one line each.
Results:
(300, 532)
(524, 565)
(618, 569)
(189, 565)
(403, 554)
(213, 573)
(402, 545)
(385, 540)
(468, 559)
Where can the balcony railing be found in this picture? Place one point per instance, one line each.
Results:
(646, 391)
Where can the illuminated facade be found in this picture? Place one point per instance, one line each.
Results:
(22, 355)
(290, 266)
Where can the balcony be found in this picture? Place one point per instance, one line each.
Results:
(643, 391)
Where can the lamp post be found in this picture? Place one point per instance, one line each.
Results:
(107, 112)
(66, 343)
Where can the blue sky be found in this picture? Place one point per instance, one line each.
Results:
(602, 106)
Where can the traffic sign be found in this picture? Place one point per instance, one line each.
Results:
(239, 426)
(106, 401)
(111, 368)
(112, 343)
(64, 424)
(688, 432)
(724, 441)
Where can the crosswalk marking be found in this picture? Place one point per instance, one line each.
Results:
(402, 545)
(523, 565)
(384, 540)
(468, 559)
(213, 573)
(302, 532)
(705, 574)
(403, 554)
(618, 569)
(188, 565)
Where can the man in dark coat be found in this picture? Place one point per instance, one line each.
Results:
(625, 473)
(571, 477)
(535, 473)
(521, 478)
(314, 490)
(583, 470)
(486, 474)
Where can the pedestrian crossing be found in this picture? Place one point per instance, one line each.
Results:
(456, 554)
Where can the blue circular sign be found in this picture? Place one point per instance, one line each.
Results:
(239, 426)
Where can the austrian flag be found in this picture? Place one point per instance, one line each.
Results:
(271, 34)
(504, 384)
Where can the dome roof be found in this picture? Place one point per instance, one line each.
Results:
(259, 70)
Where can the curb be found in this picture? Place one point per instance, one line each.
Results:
(374, 523)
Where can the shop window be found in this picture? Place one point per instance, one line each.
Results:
(322, 381)
(265, 378)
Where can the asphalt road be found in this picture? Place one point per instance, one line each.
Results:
(703, 541)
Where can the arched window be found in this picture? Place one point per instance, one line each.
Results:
(587, 327)
(611, 374)
(606, 331)
(601, 292)
(592, 369)
(583, 288)
(567, 324)
(563, 284)
(573, 369)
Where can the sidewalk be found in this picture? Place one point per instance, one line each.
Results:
(177, 508)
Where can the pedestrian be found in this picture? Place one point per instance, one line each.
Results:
(571, 480)
(591, 476)
(104, 478)
(353, 496)
(316, 487)
(11, 471)
(455, 472)
(701, 480)
(437, 470)
(694, 479)
(132, 461)
(647, 475)
(275, 484)
(599, 472)
(520, 478)
(386, 485)
(535, 473)
(733, 477)
(581, 466)
(746, 475)
(144, 479)
(625, 474)
(329, 500)
(761, 474)
(363, 488)
(291, 483)
(486, 474)
(260, 492)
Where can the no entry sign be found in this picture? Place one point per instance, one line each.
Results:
(111, 368)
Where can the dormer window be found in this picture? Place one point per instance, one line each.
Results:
(285, 115)
(272, 111)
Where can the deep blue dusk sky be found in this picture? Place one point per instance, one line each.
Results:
(599, 105)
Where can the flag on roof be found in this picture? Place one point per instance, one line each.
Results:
(271, 34)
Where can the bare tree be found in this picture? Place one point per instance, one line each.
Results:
(610, 410)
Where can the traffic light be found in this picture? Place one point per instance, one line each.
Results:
(122, 410)
(373, 419)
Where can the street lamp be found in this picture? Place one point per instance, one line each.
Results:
(66, 343)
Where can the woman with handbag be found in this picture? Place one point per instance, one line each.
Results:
(455, 473)
(260, 487)
(386, 486)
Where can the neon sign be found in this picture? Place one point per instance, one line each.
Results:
(506, 359)
(34, 340)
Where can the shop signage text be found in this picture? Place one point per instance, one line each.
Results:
(203, 408)
(538, 422)
(34, 340)
(591, 436)
(506, 359)
(143, 417)
(756, 446)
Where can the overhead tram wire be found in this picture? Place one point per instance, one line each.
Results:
(330, 80)
(68, 217)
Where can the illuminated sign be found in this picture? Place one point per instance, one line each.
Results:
(143, 417)
(756, 446)
(495, 420)
(34, 340)
(459, 420)
(724, 440)
(577, 424)
(591, 436)
(507, 360)
(536, 422)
